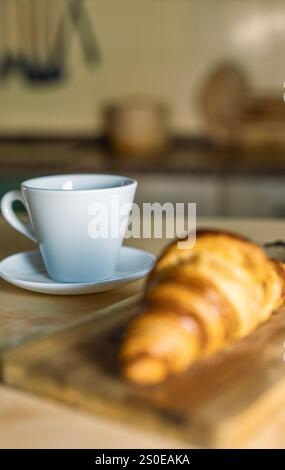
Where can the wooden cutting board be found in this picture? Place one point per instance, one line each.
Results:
(27, 315)
(219, 402)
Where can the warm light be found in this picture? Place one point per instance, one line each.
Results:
(259, 29)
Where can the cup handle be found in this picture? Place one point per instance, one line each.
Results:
(11, 217)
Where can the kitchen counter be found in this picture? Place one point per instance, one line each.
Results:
(27, 421)
(24, 157)
(221, 182)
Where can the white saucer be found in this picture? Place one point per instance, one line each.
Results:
(26, 270)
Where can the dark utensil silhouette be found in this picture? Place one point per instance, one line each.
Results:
(34, 57)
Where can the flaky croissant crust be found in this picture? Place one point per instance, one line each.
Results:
(198, 300)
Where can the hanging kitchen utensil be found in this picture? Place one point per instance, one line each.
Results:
(34, 36)
(58, 48)
(3, 39)
(7, 58)
(82, 24)
(42, 66)
(22, 28)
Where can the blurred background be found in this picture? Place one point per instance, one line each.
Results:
(184, 95)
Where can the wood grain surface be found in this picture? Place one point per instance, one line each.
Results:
(244, 384)
(219, 402)
(26, 315)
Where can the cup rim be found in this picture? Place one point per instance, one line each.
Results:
(128, 180)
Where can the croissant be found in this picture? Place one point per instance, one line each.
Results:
(197, 301)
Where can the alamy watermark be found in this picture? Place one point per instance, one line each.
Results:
(150, 220)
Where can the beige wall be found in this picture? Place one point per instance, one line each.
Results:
(161, 47)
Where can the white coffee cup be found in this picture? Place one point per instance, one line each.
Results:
(64, 220)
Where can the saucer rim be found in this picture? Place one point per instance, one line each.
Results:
(66, 288)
